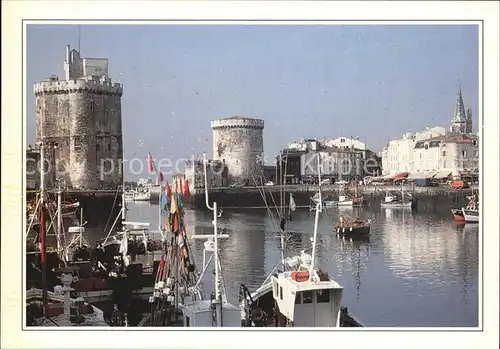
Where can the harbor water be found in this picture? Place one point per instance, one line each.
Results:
(418, 269)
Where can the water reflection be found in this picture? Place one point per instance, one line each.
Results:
(417, 269)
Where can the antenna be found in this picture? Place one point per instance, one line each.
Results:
(79, 37)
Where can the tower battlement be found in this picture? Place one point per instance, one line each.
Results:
(237, 122)
(87, 84)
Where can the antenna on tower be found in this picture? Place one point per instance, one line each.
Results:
(79, 36)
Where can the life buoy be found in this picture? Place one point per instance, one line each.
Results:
(300, 276)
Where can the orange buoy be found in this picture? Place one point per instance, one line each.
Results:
(300, 276)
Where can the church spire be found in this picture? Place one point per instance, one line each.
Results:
(459, 113)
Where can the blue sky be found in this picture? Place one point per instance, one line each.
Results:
(373, 82)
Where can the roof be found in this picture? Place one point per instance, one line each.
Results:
(238, 118)
(452, 138)
(307, 285)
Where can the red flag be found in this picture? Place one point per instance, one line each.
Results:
(168, 191)
(186, 188)
(160, 177)
(150, 163)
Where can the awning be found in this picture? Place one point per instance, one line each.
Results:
(417, 175)
(400, 176)
(431, 174)
(442, 174)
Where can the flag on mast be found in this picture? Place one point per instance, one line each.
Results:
(292, 203)
(150, 163)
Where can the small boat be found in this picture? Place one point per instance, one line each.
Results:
(354, 228)
(458, 214)
(469, 214)
(391, 201)
(142, 196)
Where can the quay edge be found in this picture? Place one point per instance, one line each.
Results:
(251, 197)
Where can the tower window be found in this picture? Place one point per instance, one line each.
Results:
(464, 153)
(92, 106)
(97, 147)
(109, 147)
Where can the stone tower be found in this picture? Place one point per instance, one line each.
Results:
(461, 123)
(238, 141)
(82, 116)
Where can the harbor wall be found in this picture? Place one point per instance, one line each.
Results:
(251, 197)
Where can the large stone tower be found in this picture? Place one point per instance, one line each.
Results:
(461, 123)
(81, 116)
(238, 141)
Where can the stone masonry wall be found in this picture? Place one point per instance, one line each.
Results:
(84, 118)
(239, 143)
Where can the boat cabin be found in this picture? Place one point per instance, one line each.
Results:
(202, 314)
(307, 302)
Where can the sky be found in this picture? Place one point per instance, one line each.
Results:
(374, 82)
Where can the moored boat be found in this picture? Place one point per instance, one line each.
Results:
(458, 214)
(353, 228)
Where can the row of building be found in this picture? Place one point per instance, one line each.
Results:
(436, 152)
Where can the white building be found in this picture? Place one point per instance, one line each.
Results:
(397, 157)
(446, 155)
(216, 174)
(345, 143)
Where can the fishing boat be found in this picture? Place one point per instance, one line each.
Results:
(297, 295)
(46, 261)
(178, 299)
(352, 227)
(405, 200)
(469, 214)
(59, 309)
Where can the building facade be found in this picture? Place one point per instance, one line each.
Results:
(238, 142)
(397, 156)
(434, 150)
(80, 118)
(217, 174)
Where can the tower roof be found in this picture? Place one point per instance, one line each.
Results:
(459, 113)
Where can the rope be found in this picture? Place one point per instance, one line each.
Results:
(112, 208)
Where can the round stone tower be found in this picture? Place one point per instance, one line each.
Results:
(82, 117)
(238, 141)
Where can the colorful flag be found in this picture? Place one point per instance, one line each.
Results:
(186, 188)
(150, 163)
(168, 191)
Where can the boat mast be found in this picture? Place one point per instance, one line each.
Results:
(59, 218)
(316, 220)
(43, 236)
(218, 301)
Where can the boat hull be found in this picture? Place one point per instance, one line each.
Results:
(458, 215)
(406, 204)
(471, 216)
(353, 231)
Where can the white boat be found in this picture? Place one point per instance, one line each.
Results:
(392, 201)
(142, 196)
(344, 201)
(471, 216)
(300, 295)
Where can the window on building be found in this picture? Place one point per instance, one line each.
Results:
(307, 297)
(464, 153)
(77, 144)
(109, 147)
(342, 140)
(444, 152)
(281, 292)
(187, 321)
(322, 296)
(92, 106)
(97, 147)
(474, 142)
